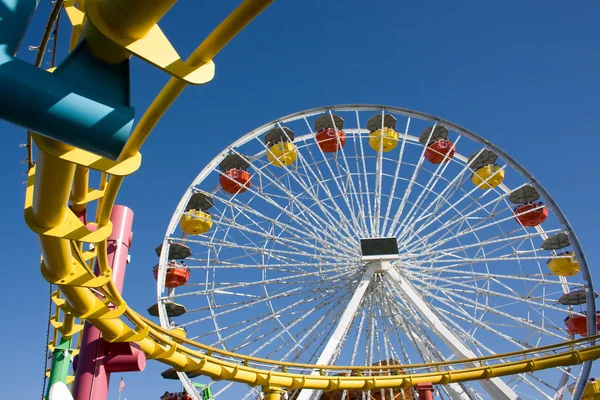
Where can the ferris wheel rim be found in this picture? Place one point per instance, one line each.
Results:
(409, 113)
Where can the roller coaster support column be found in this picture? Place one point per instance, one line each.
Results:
(425, 391)
(273, 393)
(97, 357)
(61, 362)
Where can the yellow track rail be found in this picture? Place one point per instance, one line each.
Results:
(61, 175)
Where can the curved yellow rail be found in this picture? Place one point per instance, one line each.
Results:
(61, 169)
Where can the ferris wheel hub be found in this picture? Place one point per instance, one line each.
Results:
(378, 253)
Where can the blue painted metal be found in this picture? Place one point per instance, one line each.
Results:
(15, 16)
(84, 103)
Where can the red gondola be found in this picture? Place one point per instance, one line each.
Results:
(176, 276)
(440, 151)
(331, 140)
(235, 181)
(577, 324)
(531, 214)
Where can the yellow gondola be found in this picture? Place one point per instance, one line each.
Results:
(195, 222)
(488, 177)
(282, 154)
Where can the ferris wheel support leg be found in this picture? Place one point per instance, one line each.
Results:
(496, 387)
(341, 330)
(455, 390)
(97, 357)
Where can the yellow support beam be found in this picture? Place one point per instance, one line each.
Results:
(207, 50)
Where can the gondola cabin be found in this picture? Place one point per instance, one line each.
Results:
(196, 222)
(331, 140)
(329, 133)
(577, 324)
(488, 177)
(281, 150)
(439, 148)
(235, 181)
(234, 176)
(440, 151)
(383, 134)
(175, 396)
(388, 136)
(564, 266)
(179, 331)
(532, 214)
(176, 275)
(591, 391)
(282, 154)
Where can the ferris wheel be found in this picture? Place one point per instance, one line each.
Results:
(372, 235)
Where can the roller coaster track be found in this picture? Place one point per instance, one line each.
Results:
(61, 176)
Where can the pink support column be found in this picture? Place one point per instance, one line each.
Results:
(98, 358)
(425, 391)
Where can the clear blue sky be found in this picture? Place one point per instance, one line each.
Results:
(522, 74)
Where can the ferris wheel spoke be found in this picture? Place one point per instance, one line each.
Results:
(378, 178)
(285, 332)
(263, 233)
(552, 388)
(470, 261)
(424, 194)
(520, 322)
(477, 323)
(363, 173)
(340, 174)
(461, 215)
(302, 317)
(297, 234)
(409, 188)
(221, 264)
(484, 224)
(223, 243)
(358, 219)
(331, 224)
(481, 251)
(448, 192)
(497, 222)
(340, 220)
(390, 351)
(523, 378)
(288, 310)
(469, 337)
(305, 235)
(308, 337)
(309, 225)
(250, 243)
(495, 276)
(396, 176)
(502, 238)
(297, 279)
